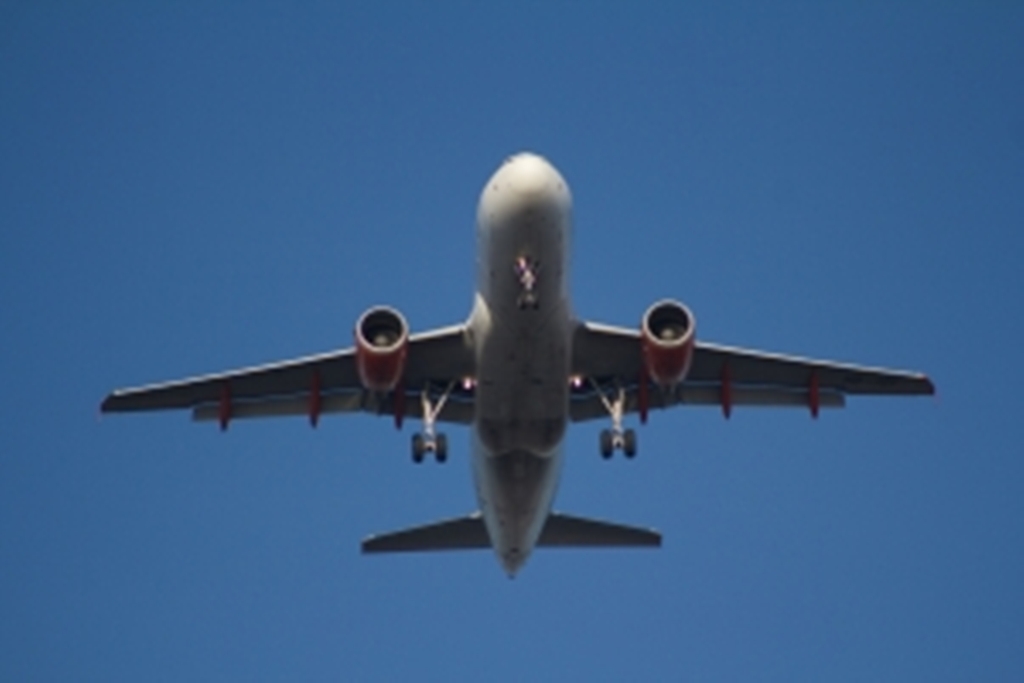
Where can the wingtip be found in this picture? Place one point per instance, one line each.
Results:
(366, 545)
(109, 403)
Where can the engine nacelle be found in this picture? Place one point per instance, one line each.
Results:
(382, 344)
(667, 333)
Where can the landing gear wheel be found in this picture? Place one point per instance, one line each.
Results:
(629, 443)
(418, 448)
(606, 444)
(441, 448)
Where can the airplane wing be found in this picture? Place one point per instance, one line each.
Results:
(722, 376)
(313, 385)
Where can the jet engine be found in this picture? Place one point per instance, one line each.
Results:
(667, 338)
(382, 344)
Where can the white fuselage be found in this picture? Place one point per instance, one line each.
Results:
(521, 324)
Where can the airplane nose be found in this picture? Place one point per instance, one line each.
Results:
(524, 183)
(529, 176)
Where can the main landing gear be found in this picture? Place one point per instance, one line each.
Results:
(616, 438)
(429, 441)
(526, 272)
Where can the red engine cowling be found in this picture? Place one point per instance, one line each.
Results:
(382, 344)
(667, 337)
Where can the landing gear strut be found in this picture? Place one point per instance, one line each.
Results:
(526, 272)
(615, 438)
(429, 441)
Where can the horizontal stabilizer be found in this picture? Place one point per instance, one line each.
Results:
(464, 533)
(565, 531)
(467, 533)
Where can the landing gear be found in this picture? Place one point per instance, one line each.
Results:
(629, 443)
(616, 438)
(610, 441)
(526, 272)
(429, 441)
(418, 448)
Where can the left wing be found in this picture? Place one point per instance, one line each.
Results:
(329, 382)
(726, 376)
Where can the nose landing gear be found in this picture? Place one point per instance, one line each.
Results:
(616, 438)
(526, 272)
(429, 441)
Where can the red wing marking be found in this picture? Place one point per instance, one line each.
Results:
(315, 402)
(814, 395)
(398, 403)
(726, 391)
(224, 414)
(642, 396)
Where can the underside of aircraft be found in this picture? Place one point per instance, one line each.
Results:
(517, 372)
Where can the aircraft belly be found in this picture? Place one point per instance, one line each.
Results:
(521, 325)
(515, 491)
(522, 391)
(523, 360)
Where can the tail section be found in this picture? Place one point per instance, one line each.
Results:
(566, 531)
(463, 533)
(467, 533)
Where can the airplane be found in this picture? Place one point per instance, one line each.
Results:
(517, 372)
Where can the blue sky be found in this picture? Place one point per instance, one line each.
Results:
(189, 188)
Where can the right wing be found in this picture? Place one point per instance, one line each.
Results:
(435, 360)
(721, 375)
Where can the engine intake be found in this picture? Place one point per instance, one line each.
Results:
(382, 344)
(667, 337)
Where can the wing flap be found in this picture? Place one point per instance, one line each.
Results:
(453, 411)
(590, 406)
